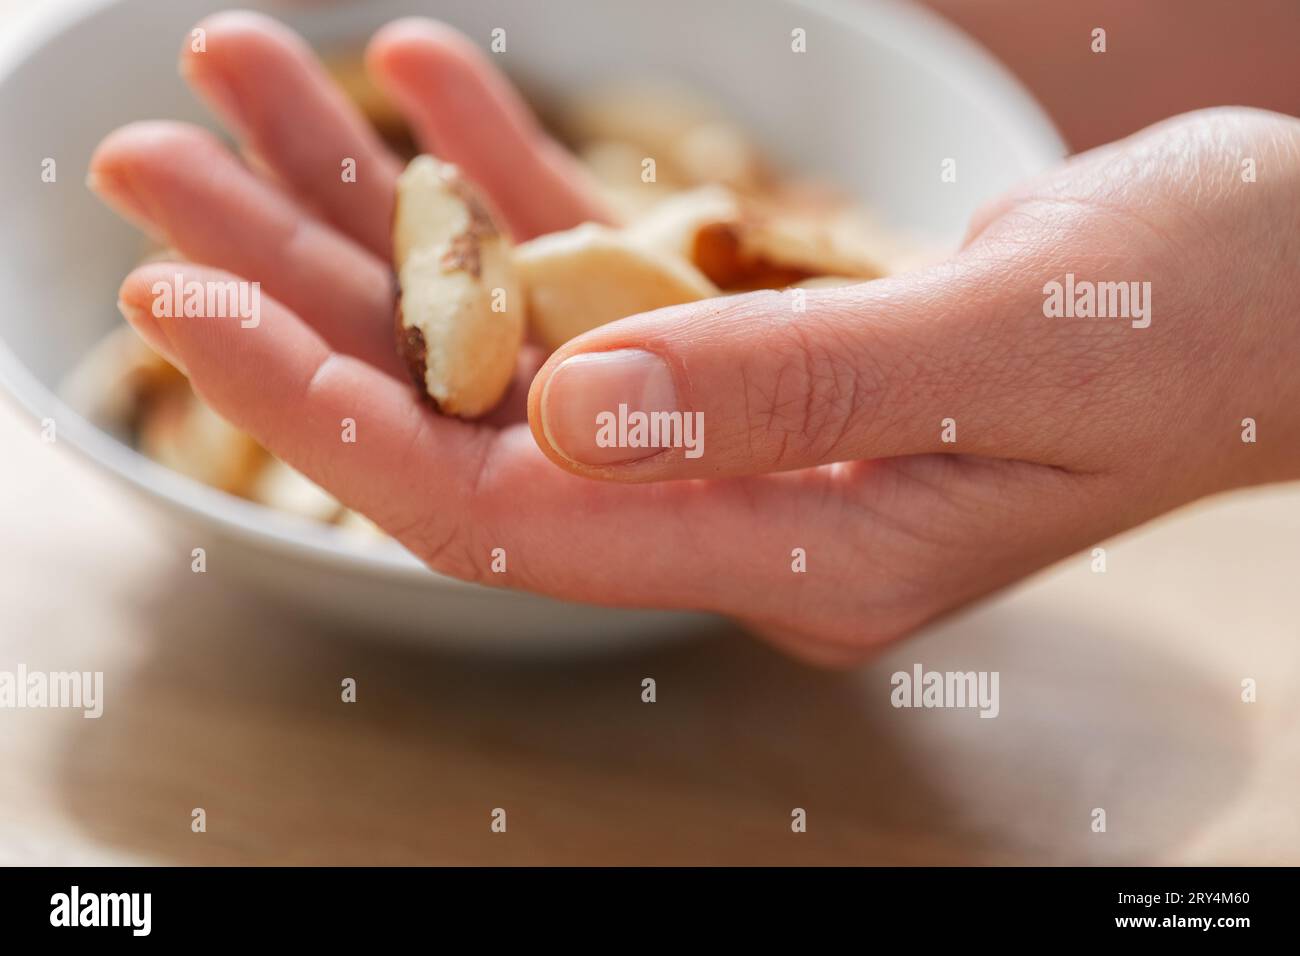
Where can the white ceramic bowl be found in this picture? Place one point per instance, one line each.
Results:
(883, 94)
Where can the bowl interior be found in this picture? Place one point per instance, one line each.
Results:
(881, 97)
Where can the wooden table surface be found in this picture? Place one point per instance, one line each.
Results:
(1118, 690)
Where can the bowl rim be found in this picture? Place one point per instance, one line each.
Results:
(917, 33)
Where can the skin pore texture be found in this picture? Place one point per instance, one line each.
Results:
(824, 433)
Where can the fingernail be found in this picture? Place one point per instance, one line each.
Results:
(582, 399)
(149, 329)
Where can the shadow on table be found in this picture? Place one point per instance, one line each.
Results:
(245, 720)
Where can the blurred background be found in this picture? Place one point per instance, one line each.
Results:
(1119, 691)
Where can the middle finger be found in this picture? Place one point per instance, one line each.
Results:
(267, 85)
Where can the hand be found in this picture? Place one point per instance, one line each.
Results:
(824, 428)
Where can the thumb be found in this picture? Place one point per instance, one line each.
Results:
(941, 360)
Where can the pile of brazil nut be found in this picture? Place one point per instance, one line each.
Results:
(698, 215)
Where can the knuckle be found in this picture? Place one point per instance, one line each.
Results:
(803, 396)
(448, 551)
(450, 540)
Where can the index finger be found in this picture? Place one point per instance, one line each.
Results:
(466, 111)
